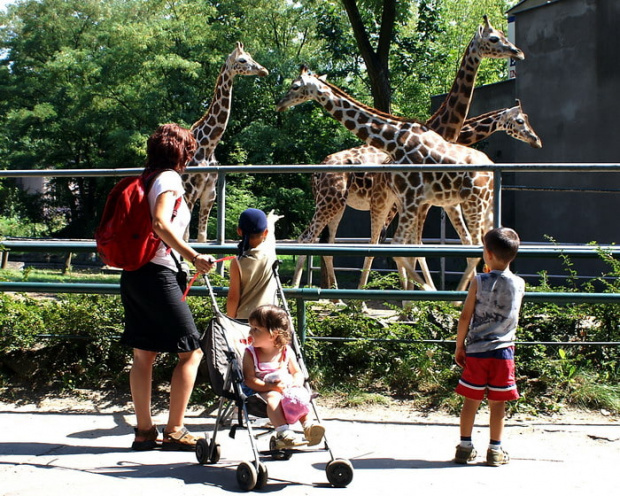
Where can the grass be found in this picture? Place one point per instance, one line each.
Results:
(91, 276)
(95, 275)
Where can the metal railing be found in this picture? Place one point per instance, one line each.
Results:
(311, 294)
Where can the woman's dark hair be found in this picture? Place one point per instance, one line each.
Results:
(169, 147)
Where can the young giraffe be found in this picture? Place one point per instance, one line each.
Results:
(209, 130)
(447, 121)
(333, 191)
(409, 142)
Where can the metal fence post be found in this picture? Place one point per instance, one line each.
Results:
(497, 198)
(301, 319)
(221, 215)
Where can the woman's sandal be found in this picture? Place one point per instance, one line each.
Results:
(149, 442)
(181, 440)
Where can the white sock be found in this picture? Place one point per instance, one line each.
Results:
(466, 444)
(283, 427)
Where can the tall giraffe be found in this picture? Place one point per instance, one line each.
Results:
(333, 191)
(409, 142)
(487, 42)
(209, 130)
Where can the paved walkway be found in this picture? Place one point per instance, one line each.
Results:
(86, 453)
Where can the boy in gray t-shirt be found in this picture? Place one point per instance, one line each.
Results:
(485, 344)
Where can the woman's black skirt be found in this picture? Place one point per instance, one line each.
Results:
(155, 317)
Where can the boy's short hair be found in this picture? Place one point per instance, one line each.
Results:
(503, 242)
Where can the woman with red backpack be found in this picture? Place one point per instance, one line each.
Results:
(157, 319)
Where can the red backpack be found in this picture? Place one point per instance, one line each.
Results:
(125, 237)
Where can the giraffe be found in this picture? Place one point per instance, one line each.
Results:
(333, 191)
(512, 120)
(409, 141)
(487, 42)
(209, 130)
(447, 121)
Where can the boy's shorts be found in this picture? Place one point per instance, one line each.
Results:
(493, 373)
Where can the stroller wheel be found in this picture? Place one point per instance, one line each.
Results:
(262, 476)
(215, 454)
(202, 451)
(278, 454)
(247, 476)
(339, 472)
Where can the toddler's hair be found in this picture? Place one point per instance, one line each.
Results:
(275, 320)
(503, 242)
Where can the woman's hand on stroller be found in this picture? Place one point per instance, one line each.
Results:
(203, 263)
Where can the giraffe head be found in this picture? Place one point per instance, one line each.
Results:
(517, 125)
(492, 43)
(241, 62)
(306, 87)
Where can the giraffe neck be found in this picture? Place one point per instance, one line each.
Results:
(449, 118)
(376, 128)
(209, 129)
(481, 127)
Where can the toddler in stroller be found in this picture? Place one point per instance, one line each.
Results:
(270, 370)
(225, 345)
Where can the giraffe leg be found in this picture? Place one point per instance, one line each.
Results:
(190, 199)
(332, 228)
(479, 217)
(380, 212)
(330, 196)
(207, 198)
(455, 214)
(407, 226)
(426, 273)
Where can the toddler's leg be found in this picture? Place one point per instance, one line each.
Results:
(313, 432)
(497, 412)
(274, 409)
(465, 451)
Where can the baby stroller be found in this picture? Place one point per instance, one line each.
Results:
(223, 343)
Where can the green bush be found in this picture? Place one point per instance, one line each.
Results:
(366, 359)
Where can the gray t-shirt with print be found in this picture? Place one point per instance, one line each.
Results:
(496, 313)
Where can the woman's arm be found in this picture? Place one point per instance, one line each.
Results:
(234, 289)
(162, 225)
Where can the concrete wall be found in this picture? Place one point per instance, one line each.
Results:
(569, 85)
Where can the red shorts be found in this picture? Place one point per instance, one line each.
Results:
(492, 373)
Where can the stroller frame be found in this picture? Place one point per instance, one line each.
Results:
(254, 475)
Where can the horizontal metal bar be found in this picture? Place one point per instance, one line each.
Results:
(340, 249)
(315, 294)
(336, 339)
(304, 169)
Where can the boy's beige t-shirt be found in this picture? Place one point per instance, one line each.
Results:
(258, 285)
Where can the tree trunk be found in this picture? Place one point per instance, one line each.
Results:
(377, 61)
